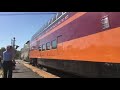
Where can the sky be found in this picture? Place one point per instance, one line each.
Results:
(21, 26)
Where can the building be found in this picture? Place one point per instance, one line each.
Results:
(25, 51)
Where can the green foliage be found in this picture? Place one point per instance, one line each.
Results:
(2, 49)
(17, 55)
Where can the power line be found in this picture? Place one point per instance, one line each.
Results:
(41, 13)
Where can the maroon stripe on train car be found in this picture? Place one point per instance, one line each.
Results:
(89, 23)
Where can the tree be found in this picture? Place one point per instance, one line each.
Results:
(17, 55)
(1, 51)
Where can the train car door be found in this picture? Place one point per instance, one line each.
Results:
(59, 45)
(40, 49)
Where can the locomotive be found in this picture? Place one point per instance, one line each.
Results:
(82, 43)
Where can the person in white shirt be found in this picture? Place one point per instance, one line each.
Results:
(7, 62)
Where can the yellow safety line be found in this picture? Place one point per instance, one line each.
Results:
(40, 72)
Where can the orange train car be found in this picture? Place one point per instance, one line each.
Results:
(82, 43)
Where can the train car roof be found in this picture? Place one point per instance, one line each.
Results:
(46, 25)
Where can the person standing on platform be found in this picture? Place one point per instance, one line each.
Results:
(8, 57)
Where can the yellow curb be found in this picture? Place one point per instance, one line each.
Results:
(1, 73)
(41, 72)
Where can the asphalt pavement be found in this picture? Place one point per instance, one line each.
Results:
(22, 71)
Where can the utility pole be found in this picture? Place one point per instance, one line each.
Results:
(13, 45)
(13, 42)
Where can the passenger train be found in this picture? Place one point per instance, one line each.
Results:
(82, 43)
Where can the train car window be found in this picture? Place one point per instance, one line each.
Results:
(40, 48)
(34, 48)
(51, 20)
(54, 18)
(56, 15)
(43, 47)
(63, 13)
(48, 22)
(44, 27)
(59, 14)
(48, 46)
(54, 44)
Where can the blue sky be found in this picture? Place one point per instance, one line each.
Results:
(22, 27)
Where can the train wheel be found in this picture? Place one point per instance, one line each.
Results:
(34, 62)
(30, 61)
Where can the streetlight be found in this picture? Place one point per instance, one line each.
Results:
(13, 43)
